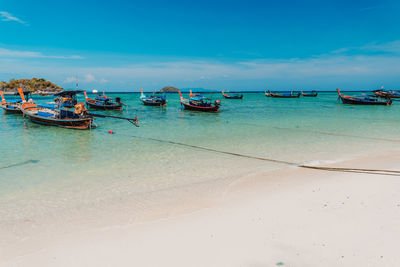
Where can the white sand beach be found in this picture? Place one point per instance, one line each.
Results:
(290, 217)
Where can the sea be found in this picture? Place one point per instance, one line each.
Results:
(44, 168)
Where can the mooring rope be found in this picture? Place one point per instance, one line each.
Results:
(338, 134)
(323, 168)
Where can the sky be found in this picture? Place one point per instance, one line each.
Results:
(230, 45)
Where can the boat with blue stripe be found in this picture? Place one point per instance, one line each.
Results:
(199, 103)
(291, 94)
(14, 106)
(153, 100)
(103, 102)
(363, 100)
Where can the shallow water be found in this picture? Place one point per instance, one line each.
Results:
(44, 168)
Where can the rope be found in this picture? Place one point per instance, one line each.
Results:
(338, 134)
(353, 170)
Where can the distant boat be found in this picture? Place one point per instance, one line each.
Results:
(153, 100)
(311, 94)
(15, 106)
(386, 93)
(103, 102)
(199, 103)
(292, 94)
(363, 100)
(95, 91)
(234, 96)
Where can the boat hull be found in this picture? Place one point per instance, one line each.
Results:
(83, 123)
(356, 101)
(187, 106)
(293, 95)
(94, 105)
(283, 96)
(310, 95)
(80, 125)
(233, 97)
(154, 103)
(11, 110)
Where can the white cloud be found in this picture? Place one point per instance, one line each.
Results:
(321, 72)
(31, 54)
(389, 47)
(5, 16)
(89, 78)
(70, 79)
(386, 47)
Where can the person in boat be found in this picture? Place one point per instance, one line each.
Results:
(80, 108)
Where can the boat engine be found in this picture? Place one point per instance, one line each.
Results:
(217, 102)
(118, 99)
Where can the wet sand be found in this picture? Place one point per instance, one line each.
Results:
(289, 217)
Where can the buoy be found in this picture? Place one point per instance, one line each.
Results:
(110, 132)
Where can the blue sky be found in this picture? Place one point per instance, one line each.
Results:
(236, 45)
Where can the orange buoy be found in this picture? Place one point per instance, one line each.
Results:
(110, 132)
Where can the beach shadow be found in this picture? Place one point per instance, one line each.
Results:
(20, 164)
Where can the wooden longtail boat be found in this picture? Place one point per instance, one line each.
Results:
(103, 102)
(235, 96)
(311, 94)
(199, 103)
(59, 117)
(386, 94)
(283, 95)
(14, 106)
(152, 100)
(363, 100)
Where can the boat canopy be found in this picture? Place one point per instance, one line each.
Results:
(197, 98)
(68, 93)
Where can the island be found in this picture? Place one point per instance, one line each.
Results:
(35, 86)
(169, 89)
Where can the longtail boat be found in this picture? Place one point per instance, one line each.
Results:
(152, 100)
(199, 103)
(14, 106)
(60, 116)
(313, 93)
(386, 94)
(103, 102)
(363, 100)
(282, 95)
(234, 96)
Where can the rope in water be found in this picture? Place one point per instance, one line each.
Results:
(354, 170)
(337, 134)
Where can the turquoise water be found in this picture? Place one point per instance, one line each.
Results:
(44, 168)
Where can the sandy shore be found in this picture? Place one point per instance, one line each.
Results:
(290, 217)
